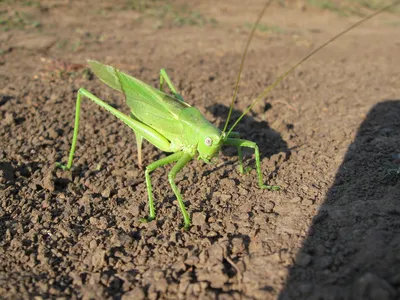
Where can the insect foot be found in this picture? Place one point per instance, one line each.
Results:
(270, 187)
(146, 220)
(62, 166)
(244, 170)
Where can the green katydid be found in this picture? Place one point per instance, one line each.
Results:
(172, 125)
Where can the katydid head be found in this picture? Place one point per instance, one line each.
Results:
(210, 142)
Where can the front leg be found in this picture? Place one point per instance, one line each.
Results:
(242, 170)
(245, 143)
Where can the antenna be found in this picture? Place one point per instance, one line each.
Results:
(242, 62)
(280, 78)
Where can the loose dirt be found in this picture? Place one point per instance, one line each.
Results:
(329, 136)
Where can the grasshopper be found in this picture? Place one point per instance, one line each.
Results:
(174, 126)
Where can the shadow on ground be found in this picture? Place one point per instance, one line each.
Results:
(353, 246)
(268, 140)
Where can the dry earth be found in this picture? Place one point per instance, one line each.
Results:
(329, 136)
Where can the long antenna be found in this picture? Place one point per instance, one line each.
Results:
(280, 78)
(242, 62)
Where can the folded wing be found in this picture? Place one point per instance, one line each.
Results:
(149, 105)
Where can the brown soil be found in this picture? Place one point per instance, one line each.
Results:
(329, 136)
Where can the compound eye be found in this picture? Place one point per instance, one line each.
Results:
(208, 141)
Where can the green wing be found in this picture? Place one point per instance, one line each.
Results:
(149, 105)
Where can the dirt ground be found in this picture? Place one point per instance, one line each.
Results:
(329, 135)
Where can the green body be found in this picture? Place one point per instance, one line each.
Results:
(172, 125)
(167, 122)
(182, 125)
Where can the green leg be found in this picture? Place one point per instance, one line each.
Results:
(171, 178)
(165, 78)
(241, 167)
(75, 136)
(139, 128)
(235, 134)
(245, 143)
(161, 162)
(139, 140)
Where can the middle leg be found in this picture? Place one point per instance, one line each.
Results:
(245, 143)
(161, 162)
